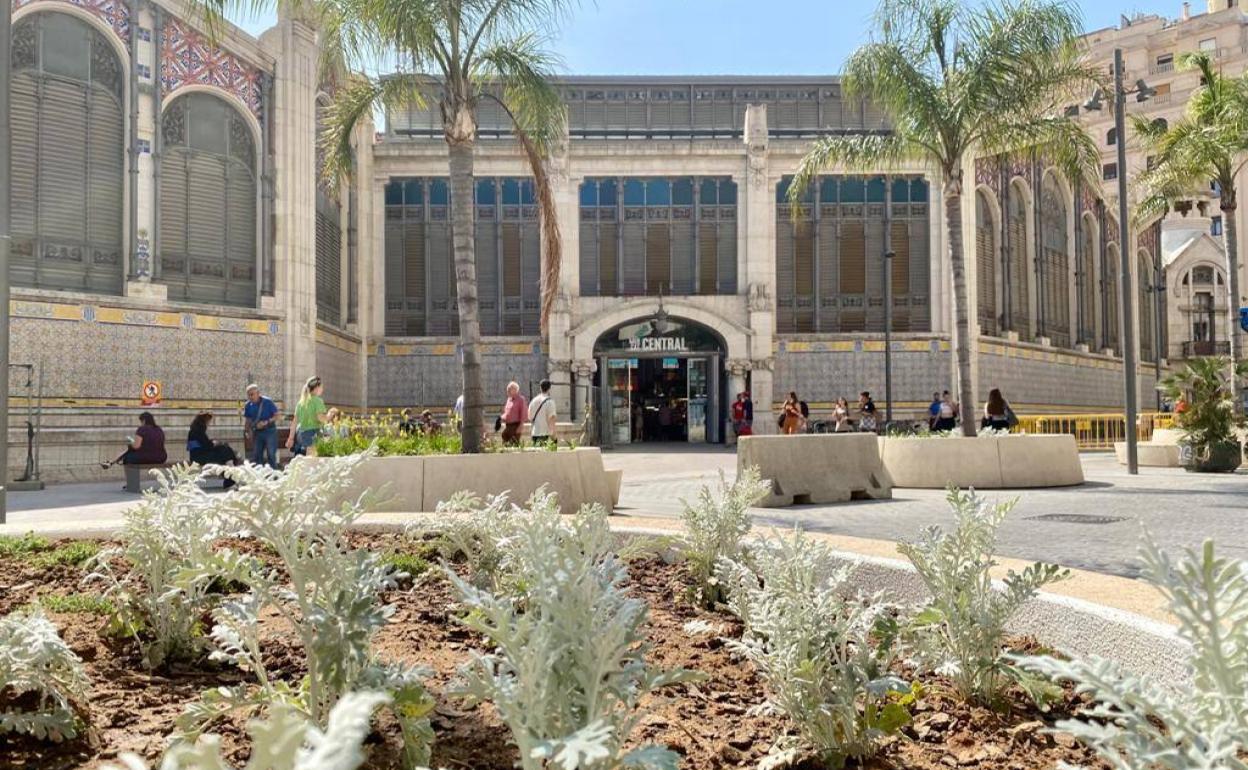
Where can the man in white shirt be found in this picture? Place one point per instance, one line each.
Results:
(542, 416)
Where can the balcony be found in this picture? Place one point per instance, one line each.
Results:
(1206, 348)
(1161, 68)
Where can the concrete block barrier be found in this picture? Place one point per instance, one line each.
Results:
(817, 468)
(998, 462)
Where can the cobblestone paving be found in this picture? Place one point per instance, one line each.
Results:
(1099, 525)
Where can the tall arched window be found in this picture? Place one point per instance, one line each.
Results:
(986, 261)
(1144, 284)
(207, 230)
(1109, 297)
(1018, 284)
(328, 239)
(68, 156)
(1054, 264)
(1088, 280)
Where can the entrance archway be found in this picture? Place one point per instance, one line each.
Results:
(660, 378)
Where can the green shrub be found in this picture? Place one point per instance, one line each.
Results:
(90, 604)
(410, 564)
(73, 554)
(20, 545)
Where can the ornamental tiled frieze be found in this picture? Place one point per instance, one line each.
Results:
(188, 58)
(114, 13)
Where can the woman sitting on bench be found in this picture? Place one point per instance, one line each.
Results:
(203, 450)
(146, 448)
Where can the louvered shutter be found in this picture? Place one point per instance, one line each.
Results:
(487, 271)
(1018, 283)
(852, 247)
(1088, 287)
(328, 260)
(658, 259)
(986, 267)
(804, 275)
(63, 217)
(920, 272)
(829, 288)
(240, 204)
(394, 263)
(207, 238)
(512, 271)
(786, 289)
(726, 251)
(708, 247)
(589, 252)
(634, 258)
(531, 278)
(682, 256)
(23, 124)
(440, 272)
(608, 258)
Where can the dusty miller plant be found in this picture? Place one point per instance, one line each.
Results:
(825, 658)
(36, 662)
(171, 531)
(714, 529)
(961, 630)
(1139, 723)
(286, 740)
(330, 597)
(476, 529)
(567, 672)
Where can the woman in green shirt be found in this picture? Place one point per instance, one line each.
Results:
(310, 415)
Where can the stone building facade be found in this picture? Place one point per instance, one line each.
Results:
(169, 226)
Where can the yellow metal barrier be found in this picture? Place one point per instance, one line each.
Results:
(1093, 431)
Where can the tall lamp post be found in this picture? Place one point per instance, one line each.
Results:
(1127, 317)
(888, 336)
(6, 182)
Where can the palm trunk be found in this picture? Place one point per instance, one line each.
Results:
(460, 144)
(961, 311)
(1230, 235)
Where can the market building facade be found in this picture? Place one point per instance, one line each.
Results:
(170, 228)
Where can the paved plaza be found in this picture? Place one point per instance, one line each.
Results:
(1095, 527)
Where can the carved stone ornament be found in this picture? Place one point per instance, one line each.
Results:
(585, 368)
(758, 300)
(758, 167)
(764, 364)
(737, 367)
(556, 366)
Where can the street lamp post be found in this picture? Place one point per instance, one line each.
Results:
(6, 183)
(1127, 317)
(888, 336)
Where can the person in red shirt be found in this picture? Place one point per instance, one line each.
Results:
(515, 411)
(738, 414)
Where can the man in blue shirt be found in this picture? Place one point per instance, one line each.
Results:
(262, 416)
(933, 411)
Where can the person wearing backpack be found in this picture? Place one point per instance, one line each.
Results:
(542, 416)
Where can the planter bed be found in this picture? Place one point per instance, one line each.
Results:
(708, 723)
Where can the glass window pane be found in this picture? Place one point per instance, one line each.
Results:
(875, 190)
(853, 189)
(918, 191)
(66, 46)
(634, 192)
(827, 190)
(209, 123)
(606, 192)
(658, 192)
(709, 194)
(527, 193)
(682, 192)
(727, 192)
(782, 189)
(413, 192)
(901, 191)
(589, 193)
(394, 194)
(438, 192)
(511, 192)
(485, 192)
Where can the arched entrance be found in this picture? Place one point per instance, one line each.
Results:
(660, 379)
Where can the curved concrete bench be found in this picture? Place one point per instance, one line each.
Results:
(816, 468)
(997, 462)
(414, 484)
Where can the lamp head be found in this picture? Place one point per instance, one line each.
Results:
(1095, 102)
(1143, 91)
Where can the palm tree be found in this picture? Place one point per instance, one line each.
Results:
(955, 81)
(458, 53)
(1210, 142)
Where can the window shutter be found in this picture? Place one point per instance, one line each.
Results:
(682, 255)
(786, 289)
(829, 289)
(512, 248)
(634, 258)
(589, 253)
(395, 258)
(328, 260)
(726, 253)
(708, 246)
(986, 264)
(441, 297)
(105, 191)
(23, 124)
(658, 259)
(853, 275)
(1019, 301)
(531, 277)
(608, 255)
(207, 238)
(487, 273)
(804, 275)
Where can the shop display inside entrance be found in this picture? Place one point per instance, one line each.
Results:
(661, 383)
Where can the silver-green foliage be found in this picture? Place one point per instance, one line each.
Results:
(961, 631)
(286, 740)
(715, 527)
(34, 660)
(825, 658)
(171, 531)
(330, 596)
(477, 529)
(568, 669)
(1139, 723)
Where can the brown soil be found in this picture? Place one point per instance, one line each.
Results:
(708, 723)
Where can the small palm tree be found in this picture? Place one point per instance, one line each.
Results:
(954, 81)
(1204, 395)
(458, 53)
(1210, 142)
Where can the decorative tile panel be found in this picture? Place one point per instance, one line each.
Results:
(114, 13)
(188, 58)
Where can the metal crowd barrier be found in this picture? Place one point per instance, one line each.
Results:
(1094, 431)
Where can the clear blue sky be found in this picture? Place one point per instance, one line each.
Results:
(739, 37)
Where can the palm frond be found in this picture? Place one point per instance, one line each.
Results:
(352, 103)
(855, 152)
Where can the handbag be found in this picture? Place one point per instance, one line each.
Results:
(1011, 419)
(780, 420)
(498, 423)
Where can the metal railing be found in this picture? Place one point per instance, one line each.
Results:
(1206, 348)
(1093, 431)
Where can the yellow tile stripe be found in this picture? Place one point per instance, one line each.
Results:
(88, 313)
(346, 344)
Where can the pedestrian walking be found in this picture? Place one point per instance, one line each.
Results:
(260, 417)
(840, 416)
(515, 410)
(866, 413)
(310, 414)
(738, 415)
(457, 413)
(543, 416)
(145, 447)
(946, 413)
(933, 412)
(997, 412)
(791, 415)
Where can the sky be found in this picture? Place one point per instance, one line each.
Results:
(736, 37)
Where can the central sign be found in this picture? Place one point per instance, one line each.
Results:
(658, 344)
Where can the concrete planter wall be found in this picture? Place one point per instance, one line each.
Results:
(816, 468)
(418, 484)
(999, 462)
